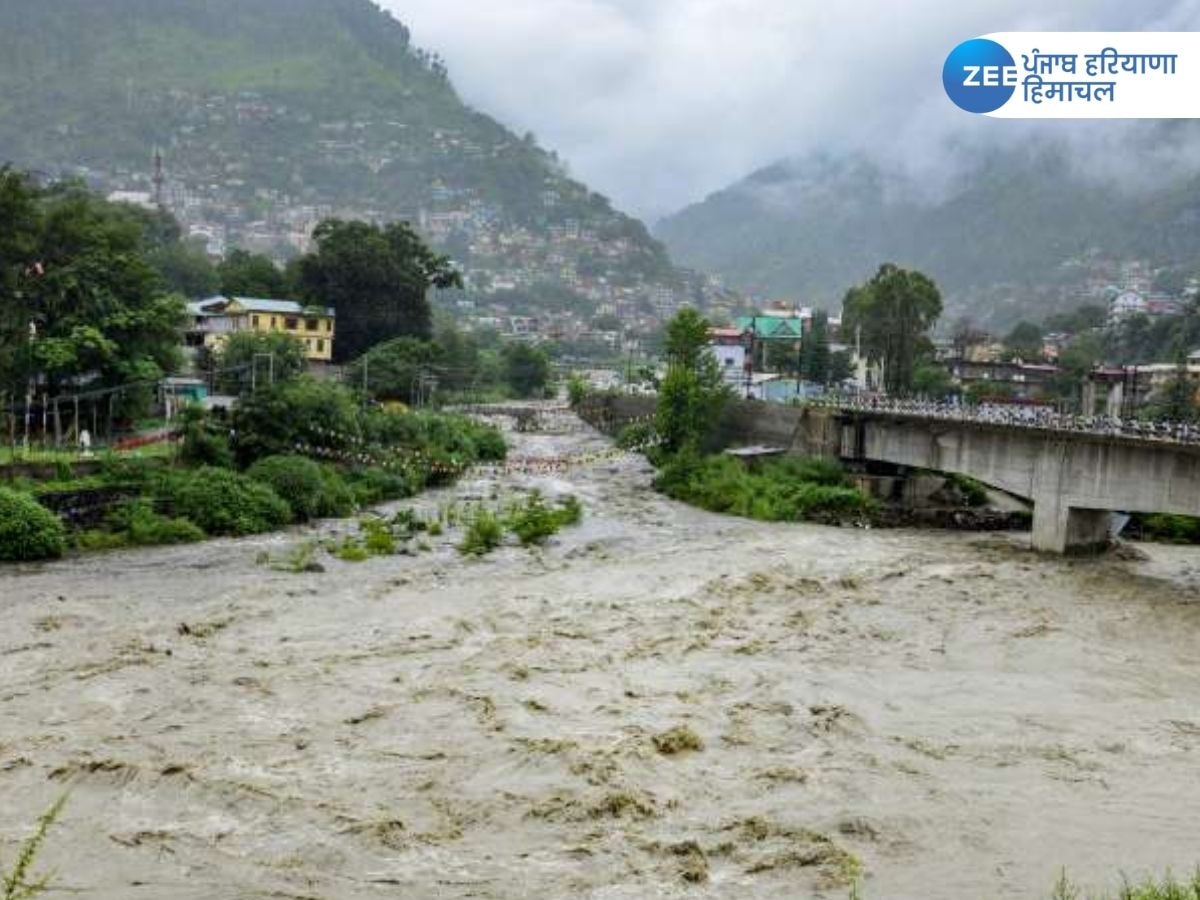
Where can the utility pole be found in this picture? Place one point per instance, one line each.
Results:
(366, 385)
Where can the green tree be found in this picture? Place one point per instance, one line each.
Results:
(1025, 341)
(315, 418)
(245, 274)
(186, 269)
(457, 360)
(252, 358)
(93, 305)
(841, 367)
(932, 380)
(1083, 318)
(893, 312)
(692, 394)
(814, 352)
(377, 278)
(19, 246)
(1176, 401)
(392, 370)
(526, 369)
(1075, 363)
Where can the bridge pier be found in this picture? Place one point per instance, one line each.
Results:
(1058, 528)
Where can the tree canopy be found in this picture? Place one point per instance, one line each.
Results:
(526, 369)
(245, 274)
(692, 394)
(378, 279)
(79, 296)
(893, 313)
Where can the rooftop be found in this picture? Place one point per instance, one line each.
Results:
(215, 306)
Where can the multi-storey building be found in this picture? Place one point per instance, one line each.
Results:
(214, 319)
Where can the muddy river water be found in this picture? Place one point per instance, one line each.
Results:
(954, 714)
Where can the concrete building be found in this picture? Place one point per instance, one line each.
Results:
(214, 319)
(728, 345)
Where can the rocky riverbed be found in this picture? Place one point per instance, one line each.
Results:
(660, 703)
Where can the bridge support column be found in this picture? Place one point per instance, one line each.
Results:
(1058, 528)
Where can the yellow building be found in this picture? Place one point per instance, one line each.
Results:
(214, 319)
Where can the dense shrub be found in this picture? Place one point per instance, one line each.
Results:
(224, 502)
(788, 490)
(456, 439)
(374, 485)
(337, 499)
(297, 479)
(139, 525)
(28, 531)
(202, 441)
(1167, 528)
(970, 491)
(533, 521)
(577, 389)
(489, 443)
(320, 416)
(636, 436)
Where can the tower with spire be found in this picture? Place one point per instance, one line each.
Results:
(160, 180)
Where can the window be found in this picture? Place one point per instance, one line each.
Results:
(320, 346)
(292, 323)
(254, 321)
(329, 324)
(274, 322)
(311, 324)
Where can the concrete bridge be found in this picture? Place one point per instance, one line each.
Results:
(1075, 479)
(1075, 476)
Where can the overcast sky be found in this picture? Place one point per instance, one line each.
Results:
(659, 102)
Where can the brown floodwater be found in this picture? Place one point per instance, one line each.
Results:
(957, 715)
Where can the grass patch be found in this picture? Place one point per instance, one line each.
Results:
(19, 883)
(679, 739)
(1166, 888)
(485, 532)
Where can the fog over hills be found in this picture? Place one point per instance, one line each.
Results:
(1013, 233)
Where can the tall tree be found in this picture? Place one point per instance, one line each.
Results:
(692, 394)
(1025, 341)
(893, 312)
(19, 240)
(81, 299)
(377, 278)
(1177, 399)
(245, 274)
(814, 351)
(526, 369)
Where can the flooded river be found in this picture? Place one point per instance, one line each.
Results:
(957, 716)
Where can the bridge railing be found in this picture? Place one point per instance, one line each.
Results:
(1019, 417)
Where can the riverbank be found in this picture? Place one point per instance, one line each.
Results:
(956, 715)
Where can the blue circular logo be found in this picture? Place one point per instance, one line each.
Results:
(979, 76)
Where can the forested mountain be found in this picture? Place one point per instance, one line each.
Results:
(1018, 234)
(272, 114)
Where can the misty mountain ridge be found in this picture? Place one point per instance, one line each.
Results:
(1009, 235)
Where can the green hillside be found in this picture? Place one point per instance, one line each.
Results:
(266, 109)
